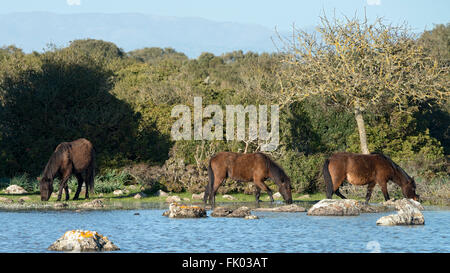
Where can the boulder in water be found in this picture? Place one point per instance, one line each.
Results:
(182, 211)
(408, 214)
(82, 240)
(286, 208)
(240, 212)
(335, 207)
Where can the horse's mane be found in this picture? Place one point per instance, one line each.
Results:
(54, 162)
(274, 168)
(394, 165)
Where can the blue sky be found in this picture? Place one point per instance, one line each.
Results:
(419, 15)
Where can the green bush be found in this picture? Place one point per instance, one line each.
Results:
(304, 171)
(111, 180)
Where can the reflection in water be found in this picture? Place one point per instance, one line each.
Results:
(149, 231)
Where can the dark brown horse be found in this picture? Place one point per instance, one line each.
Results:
(366, 169)
(254, 168)
(76, 157)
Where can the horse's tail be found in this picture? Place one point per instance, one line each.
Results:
(210, 184)
(327, 178)
(91, 174)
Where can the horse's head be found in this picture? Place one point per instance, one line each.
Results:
(409, 189)
(285, 189)
(46, 188)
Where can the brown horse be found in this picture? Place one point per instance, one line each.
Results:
(76, 157)
(256, 168)
(366, 169)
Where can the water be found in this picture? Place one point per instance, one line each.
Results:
(34, 231)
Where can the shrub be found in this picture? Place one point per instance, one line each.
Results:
(304, 171)
(111, 180)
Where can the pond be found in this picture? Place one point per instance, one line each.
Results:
(34, 231)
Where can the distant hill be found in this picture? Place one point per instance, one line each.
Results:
(32, 31)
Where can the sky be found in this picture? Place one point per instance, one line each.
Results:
(282, 14)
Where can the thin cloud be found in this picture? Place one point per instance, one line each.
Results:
(373, 2)
(73, 2)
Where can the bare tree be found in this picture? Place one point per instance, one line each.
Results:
(361, 66)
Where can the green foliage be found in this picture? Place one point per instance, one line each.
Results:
(111, 180)
(437, 43)
(304, 170)
(62, 96)
(97, 49)
(154, 55)
(24, 181)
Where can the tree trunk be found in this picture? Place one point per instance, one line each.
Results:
(361, 130)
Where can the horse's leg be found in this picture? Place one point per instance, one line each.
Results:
(257, 194)
(87, 177)
(63, 184)
(384, 190)
(66, 189)
(369, 191)
(212, 197)
(337, 176)
(80, 184)
(338, 193)
(260, 183)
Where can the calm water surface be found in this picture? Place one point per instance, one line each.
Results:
(34, 231)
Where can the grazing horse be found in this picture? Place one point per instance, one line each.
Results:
(256, 167)
(76, 157)
(366, 169)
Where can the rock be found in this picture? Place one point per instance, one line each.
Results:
(14, 189)
(96, 203)
(408, 214)
(172, 199)
(240, 212)
(182, 211)
(198, 196)
(82, 240)
(186, 199)
(139, 195)
(60, 205)
(395, 203)
(221, 212)
(286, 208)
(161, 193)
(335, 207)
(228, 197)
(6, 200)
(132, 187)
(118, 192)
(23, 199)
(251, 217)
(372, 209)
(305, 196)
(277, 195)
(228, 212)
